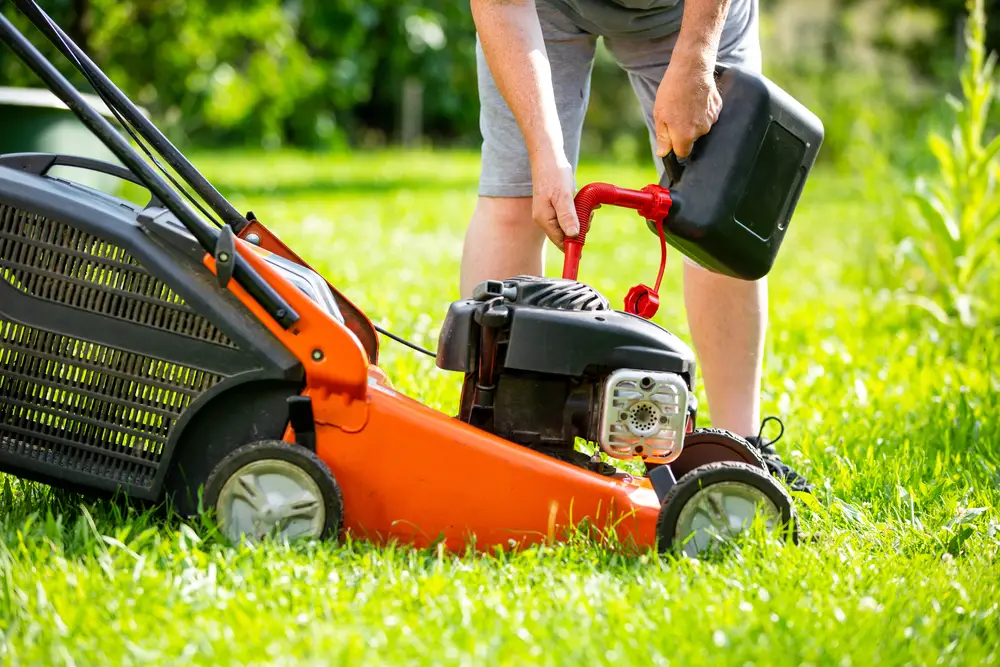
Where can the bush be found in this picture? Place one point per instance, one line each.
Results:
(271, 72)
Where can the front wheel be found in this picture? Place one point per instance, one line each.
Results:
(715, 503)
(273, 489)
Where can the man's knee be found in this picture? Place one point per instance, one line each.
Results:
(509, 215)
(502, 241)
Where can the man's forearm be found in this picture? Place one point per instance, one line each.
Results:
(701, 31)
(512, 43)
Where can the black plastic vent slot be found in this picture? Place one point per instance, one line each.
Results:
(54, 262)
(89, 408)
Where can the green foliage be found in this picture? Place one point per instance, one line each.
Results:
(331, 73)
(270, 72)
(951, 252)
(901, 552)
(852, 63)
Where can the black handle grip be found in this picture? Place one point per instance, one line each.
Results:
(41, 163)
(673, 170)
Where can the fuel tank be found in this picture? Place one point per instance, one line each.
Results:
(735, 194)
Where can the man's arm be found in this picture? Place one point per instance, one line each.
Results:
(688, 102)
(515, 51)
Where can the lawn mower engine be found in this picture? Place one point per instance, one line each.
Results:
(548, 362)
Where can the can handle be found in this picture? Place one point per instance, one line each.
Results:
(673, 170)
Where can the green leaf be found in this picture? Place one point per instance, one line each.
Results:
(940, 222)
(926, 304)
(942, 152)
(986, 159)
(966, 515)
(954, 102)
(983, 252)
(954, 540)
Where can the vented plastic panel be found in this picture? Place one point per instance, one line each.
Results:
(74, 409)
(557, 293)
(89, 408)
(58, 263)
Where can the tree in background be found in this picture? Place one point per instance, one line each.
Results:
(331, 73)
(304, 72)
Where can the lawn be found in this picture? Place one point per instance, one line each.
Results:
(896, 423)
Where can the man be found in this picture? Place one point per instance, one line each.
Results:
(534, 61)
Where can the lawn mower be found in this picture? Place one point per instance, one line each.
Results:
(178, 352)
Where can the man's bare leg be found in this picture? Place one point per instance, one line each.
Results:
(728, 321)
(501, 241)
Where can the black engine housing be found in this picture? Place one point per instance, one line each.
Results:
(535, 352)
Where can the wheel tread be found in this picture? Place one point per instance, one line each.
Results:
(688, 484)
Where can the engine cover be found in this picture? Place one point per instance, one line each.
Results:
(557, 327)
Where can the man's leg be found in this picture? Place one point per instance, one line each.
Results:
(728, 320)
(502, 240)
(727, 316)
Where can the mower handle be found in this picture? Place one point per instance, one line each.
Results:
(653, 202)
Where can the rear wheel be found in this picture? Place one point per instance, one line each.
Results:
(712, 445)
(716, 502)
(274, 490)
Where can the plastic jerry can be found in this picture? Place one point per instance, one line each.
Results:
(734, 195)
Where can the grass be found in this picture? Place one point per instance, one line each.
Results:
(895, 422)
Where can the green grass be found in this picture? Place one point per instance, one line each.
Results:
(896, 423)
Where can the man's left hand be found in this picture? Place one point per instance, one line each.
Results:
(687, 105)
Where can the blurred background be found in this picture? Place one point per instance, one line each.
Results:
(903, 87)
(339, 74)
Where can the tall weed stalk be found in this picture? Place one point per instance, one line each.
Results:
(950, 254)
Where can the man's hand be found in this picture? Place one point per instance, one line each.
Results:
(687, 105)
(515, 50)
(552, 206)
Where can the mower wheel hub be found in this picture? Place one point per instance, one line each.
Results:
(721, 512)
(271, 498)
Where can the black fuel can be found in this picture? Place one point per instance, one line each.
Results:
(735, 194)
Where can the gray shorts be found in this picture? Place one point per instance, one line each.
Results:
(506, 170)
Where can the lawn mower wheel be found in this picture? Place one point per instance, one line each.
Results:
(711, 445)
(277, 490)
(716, 502)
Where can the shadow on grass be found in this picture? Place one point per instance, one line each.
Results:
(69, 525)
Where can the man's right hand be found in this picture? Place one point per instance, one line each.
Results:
(552, 206)
(512, 41)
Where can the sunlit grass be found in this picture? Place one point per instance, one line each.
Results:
(896, 425)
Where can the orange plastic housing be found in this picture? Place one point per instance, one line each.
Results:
(413, 474)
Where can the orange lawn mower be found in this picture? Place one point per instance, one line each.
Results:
(173, 352)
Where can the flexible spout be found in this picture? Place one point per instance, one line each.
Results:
(652, 202)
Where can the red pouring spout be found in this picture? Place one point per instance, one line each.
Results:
(653, 203)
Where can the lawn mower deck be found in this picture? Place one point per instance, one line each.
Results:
(145, 350)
